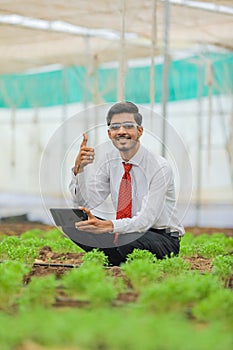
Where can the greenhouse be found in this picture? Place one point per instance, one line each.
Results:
(63, 66)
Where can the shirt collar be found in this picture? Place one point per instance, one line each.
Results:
(137, 158)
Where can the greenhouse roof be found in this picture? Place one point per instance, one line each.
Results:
(39, 33)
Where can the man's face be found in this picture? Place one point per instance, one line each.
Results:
(124, 138)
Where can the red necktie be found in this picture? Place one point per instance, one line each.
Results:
(124, 207)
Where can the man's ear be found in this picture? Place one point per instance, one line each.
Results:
(109, 134)
(140, 131)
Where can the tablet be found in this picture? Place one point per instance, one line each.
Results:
(67, 217)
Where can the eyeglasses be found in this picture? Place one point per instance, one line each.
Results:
(125, 125)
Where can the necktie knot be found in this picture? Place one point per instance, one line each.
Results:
(127, 167)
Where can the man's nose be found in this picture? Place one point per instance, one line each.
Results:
(121, 129)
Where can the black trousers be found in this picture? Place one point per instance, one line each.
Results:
(156, 242)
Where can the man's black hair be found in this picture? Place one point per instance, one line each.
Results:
(124, 107)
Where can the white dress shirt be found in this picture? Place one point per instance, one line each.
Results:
(153, 190)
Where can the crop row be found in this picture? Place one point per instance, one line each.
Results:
(26, 247)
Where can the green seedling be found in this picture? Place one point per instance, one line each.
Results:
(91, 283)
(40, 292)
(11, 282)
(95, 257)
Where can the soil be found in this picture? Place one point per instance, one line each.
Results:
(195, 230)
(50, 262)
(17, 228)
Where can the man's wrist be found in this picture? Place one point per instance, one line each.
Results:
(111, 226)
(77, 169)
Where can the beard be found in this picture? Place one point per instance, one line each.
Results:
(124, 143)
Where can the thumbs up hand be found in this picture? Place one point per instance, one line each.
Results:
(84, 157)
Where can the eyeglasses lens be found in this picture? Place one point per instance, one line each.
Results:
(127, 126)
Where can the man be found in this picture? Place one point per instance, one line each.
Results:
(141, 185)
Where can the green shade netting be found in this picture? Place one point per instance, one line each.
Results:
(186, 80)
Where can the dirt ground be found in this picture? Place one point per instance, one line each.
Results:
(15, 229)
(209, 230)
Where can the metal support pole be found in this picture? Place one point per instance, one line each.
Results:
(165, 72)
(64, 94)
(153, 47)
(13, 138)
(64, 128)
(122, 68)
(209, 79)
(87, 79)
(96, 96)
(199, 147)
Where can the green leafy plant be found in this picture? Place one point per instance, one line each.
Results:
(208, 246)
(39, 292)
(140, 254)
(211, 249)
(14, 248)
(140, 268)
(223, 240)
(34, 233)
(178, 292)
(96, 257)
(62, 245)
(26, 247)
(11, 282)
(89, 282)
(188, 249)
(174, 265)
(6, 245)
(218, 305)
(141, 273)
(187, 245)
(223, 265)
